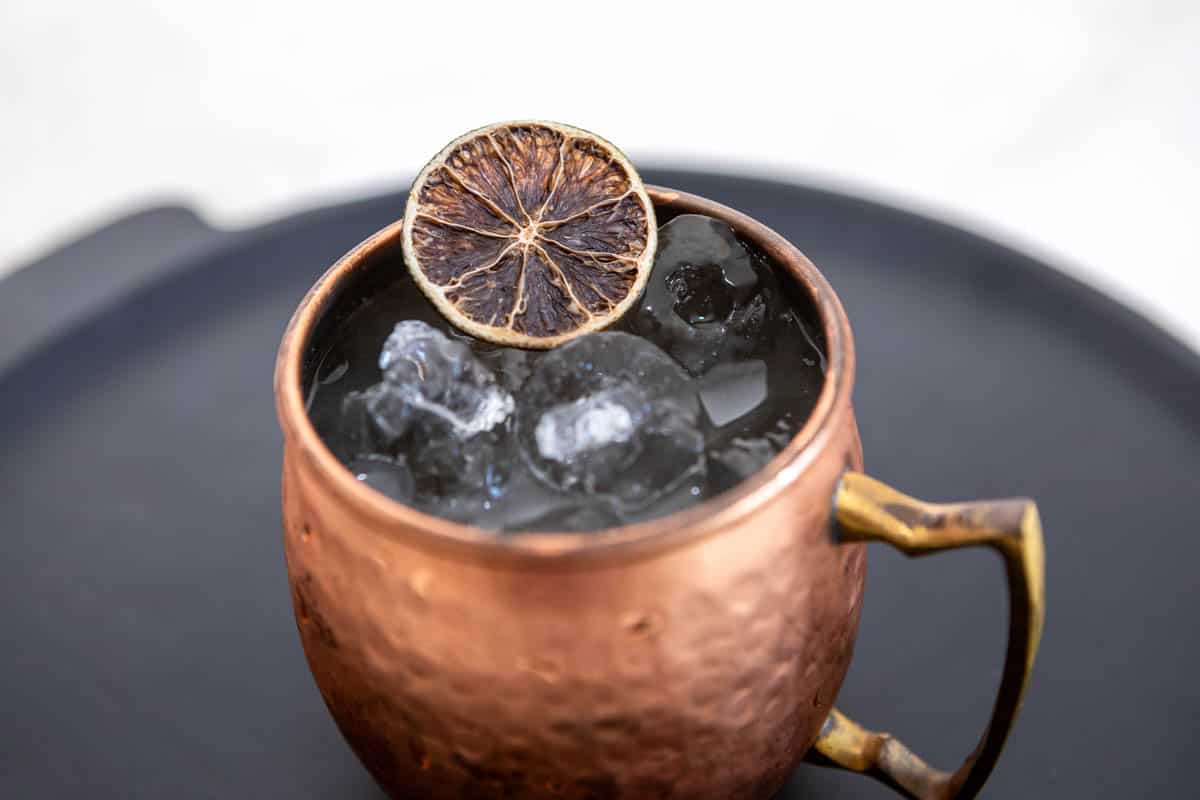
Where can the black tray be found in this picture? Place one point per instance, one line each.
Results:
(148, 643)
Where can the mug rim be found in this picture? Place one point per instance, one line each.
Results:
(385, 516)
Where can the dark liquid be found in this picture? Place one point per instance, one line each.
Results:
(749, 342)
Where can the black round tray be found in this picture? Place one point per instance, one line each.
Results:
(149, 648)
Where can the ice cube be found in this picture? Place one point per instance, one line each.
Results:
(708, 299)
(733, 461)
(611, 416)
(701, 294)
(730, 391)
(356, 433)
(430, 375)
(510, 364)
(593, 424)
(738, 460)
(441, 410)
(390, 476)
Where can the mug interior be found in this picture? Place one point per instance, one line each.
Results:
(378, 263)
(384, 266)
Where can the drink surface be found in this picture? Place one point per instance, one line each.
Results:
(696, 388)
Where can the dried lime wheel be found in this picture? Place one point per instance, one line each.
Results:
(529, 233)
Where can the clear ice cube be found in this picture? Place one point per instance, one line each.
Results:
(428, 375)
(737, 459)
(740, 459)
(728, 392)
(708, 300)
(390, 476)
(612, 417)
(593, 424)
(441, 410)
(510, 365)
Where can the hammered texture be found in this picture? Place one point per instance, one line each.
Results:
(701, 672)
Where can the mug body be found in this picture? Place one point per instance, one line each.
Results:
(692, 656)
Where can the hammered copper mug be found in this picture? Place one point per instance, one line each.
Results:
(695, 656)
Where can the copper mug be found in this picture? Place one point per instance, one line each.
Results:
(694, 656)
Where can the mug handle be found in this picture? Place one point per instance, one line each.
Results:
(866, 510)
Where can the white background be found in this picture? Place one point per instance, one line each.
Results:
(1068, 127)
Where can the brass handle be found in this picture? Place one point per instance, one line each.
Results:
(867, 510)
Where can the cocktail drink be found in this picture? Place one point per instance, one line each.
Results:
(567, 366)
(697, 387)
(572, 505)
